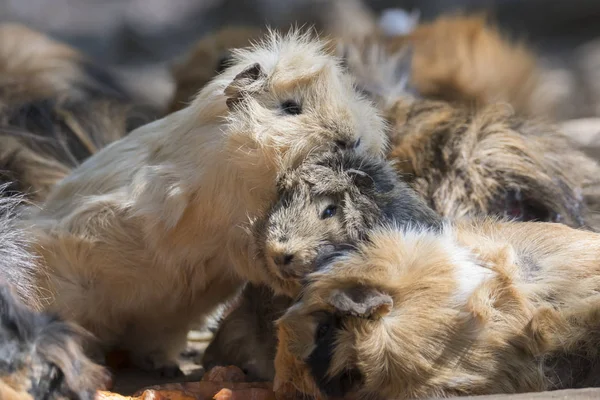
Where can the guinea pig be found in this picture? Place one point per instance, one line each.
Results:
(154, 221)
(57, 107)
(476, 308)
(453, 59)
(468, 161)
(41, 356)
(332, 199)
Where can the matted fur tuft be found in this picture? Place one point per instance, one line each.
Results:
(482, 307)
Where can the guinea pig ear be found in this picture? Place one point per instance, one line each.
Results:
(361, 301)
(247, 81)
(361, 179)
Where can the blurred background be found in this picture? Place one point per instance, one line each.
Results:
(141, 37)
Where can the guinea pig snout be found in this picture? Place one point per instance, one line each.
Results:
(282, 257)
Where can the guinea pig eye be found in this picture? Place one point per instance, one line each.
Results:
(329, 212)
(291, 107)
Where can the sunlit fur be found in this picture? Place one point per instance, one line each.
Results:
(57, 108)
(483, 160)
(148, 231)
(477, 309)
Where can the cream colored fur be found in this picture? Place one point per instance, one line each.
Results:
(148, 233)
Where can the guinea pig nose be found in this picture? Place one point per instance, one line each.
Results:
(283, 259)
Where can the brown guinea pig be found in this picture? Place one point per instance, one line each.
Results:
(482, 307)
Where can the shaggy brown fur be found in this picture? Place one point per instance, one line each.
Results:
(56, 109)
(490, 162)
(474, 161)
(147, 232)
(476, 309)
(467, 59)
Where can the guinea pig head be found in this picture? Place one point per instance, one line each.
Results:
(288, 97)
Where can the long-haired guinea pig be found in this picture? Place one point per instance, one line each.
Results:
(57, 107)
(155, 219)
(475, 309)
(41, 357)
(474, 161)
(467, 59)
(331, 199)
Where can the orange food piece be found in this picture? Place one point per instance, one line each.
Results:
(220, 383)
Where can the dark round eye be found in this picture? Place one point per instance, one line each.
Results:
(291, 107)
(329, 212)
(322, 330)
